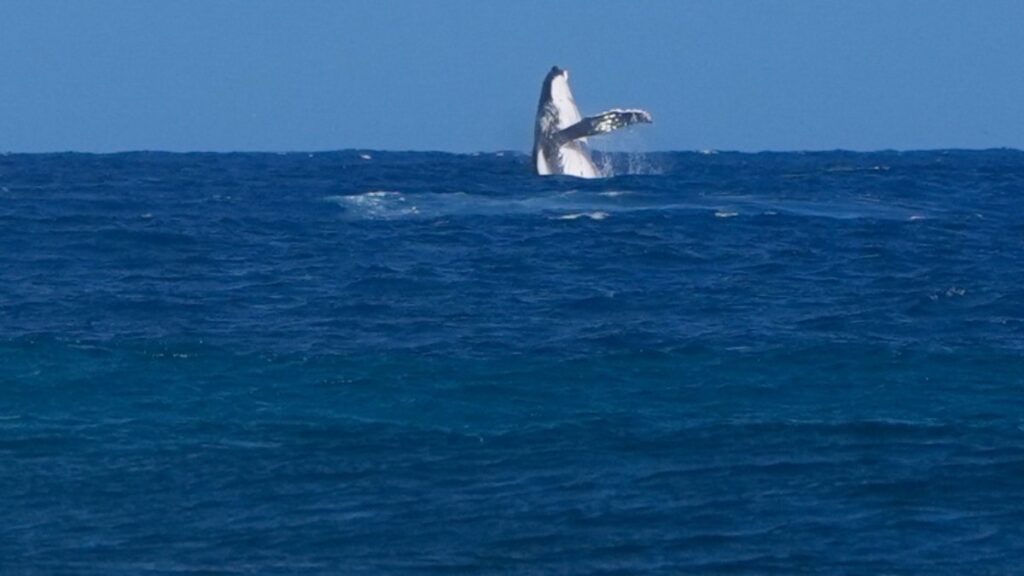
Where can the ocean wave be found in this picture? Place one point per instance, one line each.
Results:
(597, 215)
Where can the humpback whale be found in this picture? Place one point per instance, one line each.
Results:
(560, 134)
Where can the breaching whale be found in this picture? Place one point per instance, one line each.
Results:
(559, 137)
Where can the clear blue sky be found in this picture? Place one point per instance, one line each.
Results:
(105, 75)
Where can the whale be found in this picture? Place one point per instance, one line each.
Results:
(561, 132)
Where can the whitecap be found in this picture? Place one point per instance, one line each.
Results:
(597, 215)
(376, 204)
(725, 214)
(370, 196)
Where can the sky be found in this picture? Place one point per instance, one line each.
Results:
(465, 75)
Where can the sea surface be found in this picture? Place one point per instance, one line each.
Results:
(364, 363)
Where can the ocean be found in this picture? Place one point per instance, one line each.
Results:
(368, 363)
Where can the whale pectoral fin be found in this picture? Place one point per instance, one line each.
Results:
(603, 123)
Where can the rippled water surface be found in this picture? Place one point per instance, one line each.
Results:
(411, 363)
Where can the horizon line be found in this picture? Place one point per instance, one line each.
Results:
(501, 152)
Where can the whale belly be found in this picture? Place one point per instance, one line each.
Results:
(543, 168)
(575, 161)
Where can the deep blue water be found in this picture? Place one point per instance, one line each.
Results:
(420, 363)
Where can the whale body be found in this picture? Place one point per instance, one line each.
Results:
(560, 134)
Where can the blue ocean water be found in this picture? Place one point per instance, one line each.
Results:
(422, 363)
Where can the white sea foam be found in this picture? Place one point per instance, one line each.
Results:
(596, 205)
(597, 215)
(389, 204)
(377, 204)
